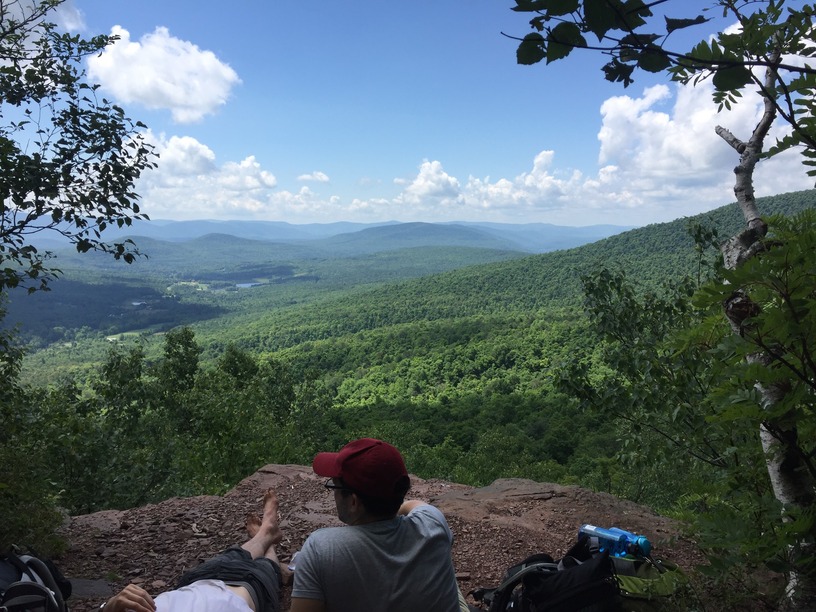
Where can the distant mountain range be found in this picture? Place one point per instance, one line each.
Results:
(527, 238)
(337, 280)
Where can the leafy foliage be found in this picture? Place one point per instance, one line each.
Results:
(28, 510)
(653, 391)
(635, 37)
(453, 368)
(775, 350)
(767, 52)
(68, 159)
(683, 392)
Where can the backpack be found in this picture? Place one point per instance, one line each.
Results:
(29, 583)
(645, 583)
(540, 584)
(585, 580)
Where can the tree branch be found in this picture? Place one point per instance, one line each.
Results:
(735, 143)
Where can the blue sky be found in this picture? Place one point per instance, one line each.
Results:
(417, 111)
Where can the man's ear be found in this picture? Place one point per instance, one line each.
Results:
(356, 506)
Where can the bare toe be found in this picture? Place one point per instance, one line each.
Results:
(271, 503)
(270, 517)
(253, 524)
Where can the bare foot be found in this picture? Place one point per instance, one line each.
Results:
(269, 523)
(264, 533)
(253, 524)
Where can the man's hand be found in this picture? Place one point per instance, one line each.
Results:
(410, 504)
(132, 597)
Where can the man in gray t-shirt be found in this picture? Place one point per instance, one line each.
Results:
(392, 556)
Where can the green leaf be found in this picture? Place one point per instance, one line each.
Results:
(531, 50)
(599, 17)
(731, 78)
(631, 15)
(530, 6)
(553, 8)
(557, 8)
(679, 24)
(616, 71)
(562, 40)
(653, 60)
(638, 40)
(537, 23)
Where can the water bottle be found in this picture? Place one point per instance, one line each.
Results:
(617, 541)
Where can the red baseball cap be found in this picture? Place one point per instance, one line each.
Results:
(368, 466)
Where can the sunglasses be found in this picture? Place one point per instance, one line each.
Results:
(330, 486)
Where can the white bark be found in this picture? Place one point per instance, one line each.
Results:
(791, 485)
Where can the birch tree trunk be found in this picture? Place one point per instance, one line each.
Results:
(792, 485)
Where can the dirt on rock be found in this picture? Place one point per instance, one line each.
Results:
(494, 527)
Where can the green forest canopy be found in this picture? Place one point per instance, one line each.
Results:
(455, 368)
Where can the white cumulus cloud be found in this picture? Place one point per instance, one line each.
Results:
(163, 72)
(659, 159)
(316, 177)
(188, 183)
(184, 156)
(431, 188)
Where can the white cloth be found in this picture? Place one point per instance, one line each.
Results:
(201, 596)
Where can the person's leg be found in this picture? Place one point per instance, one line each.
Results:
(254, 525)
(266, 535)
(253, 566)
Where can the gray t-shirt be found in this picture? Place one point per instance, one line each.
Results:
(400, 565)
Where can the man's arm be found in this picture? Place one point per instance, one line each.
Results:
(301, 604)
(410, 504)
(132, 597)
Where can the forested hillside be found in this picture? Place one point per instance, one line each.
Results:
(304, 293)
(346, 317)
(478, 363)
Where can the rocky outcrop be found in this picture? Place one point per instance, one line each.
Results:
(493, 526)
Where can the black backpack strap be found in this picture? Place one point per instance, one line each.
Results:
(19, 563)
(481, 594)
(25, 596)
(503, 594)
(45, 575)
(487, 595)
(50, 574)
(40, 584)
(585, 548)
